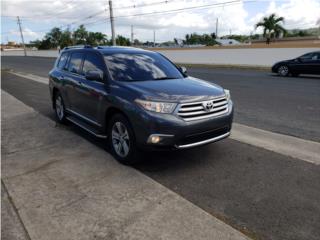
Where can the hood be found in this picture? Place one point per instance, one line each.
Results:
(176, 90)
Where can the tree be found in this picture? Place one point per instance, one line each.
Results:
(96, 38)
(271, 26)
(122, 41)
(66, 39)
(45, 44)
(205, 39)
(54, 36)
(80, 35)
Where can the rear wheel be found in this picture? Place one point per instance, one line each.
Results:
(283, 71)
(59, 108)
(122, 141)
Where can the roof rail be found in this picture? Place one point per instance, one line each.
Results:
(77, 46)
(103, 46)
(107, 46)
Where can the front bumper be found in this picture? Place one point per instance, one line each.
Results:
(176, 133)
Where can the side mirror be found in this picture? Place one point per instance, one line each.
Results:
(93, 75)
(183, 69)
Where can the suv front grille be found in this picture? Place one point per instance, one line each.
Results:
(202, 110)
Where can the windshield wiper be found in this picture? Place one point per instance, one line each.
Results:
(164, 78)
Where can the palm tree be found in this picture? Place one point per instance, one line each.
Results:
(271, 26)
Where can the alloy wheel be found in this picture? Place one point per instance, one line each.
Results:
(59, 108)
(120, 139)
(283, 70)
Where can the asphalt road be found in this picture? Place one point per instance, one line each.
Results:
(264, 194)
(284, 105)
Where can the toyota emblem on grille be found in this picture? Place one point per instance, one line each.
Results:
(208, 106)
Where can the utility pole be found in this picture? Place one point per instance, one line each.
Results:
(154, 38)
(112, 23)
(23, 45)
(217, 23)
(132, 35)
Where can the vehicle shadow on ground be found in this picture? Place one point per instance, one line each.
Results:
(302, 76)
(151, 161)
(159, 161)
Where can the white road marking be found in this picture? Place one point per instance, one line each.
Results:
(305, 150)
(31, 77)
(299, 148)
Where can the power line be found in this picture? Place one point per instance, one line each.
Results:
(55, 14)
(172, 10)
(144, 5)
(183, 9)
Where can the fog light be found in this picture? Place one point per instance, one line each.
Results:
(155, 139)
(159, 138)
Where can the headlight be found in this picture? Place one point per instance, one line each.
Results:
(160, 107)
(227, 92)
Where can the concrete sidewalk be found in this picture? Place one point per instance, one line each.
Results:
(62, 187)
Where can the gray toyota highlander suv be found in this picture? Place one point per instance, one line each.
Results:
(137, 100)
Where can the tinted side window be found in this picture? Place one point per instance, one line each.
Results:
(316, 56)
(75, 63)
(63, 60)
(92, 62)
(307, 56)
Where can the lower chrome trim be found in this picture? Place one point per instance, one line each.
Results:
(88, 130)
(83, 117)
(203, 142)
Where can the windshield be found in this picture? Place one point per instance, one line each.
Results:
(140, 67)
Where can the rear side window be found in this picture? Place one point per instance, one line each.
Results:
(92, 62)
(75, 63)
(63, 60)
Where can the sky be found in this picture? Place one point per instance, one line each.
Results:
(168, 18)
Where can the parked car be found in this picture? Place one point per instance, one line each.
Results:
(308, 63)
(138, 100)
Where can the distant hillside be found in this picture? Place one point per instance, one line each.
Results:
(303, 32)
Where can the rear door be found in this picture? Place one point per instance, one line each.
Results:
(57, 76)
(73, 80)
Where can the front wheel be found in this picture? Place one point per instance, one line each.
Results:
(283, 71)
(122, 141)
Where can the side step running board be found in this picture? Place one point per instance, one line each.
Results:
(85, 126)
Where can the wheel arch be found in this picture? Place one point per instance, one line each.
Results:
(111, 111)
(55, 90)
(286, 65)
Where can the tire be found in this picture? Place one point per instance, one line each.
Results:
(59, 108)
(121, 140)
(283, 71)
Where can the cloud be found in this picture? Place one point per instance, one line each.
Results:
(26, 33)
(297, 13)
(44, 15)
